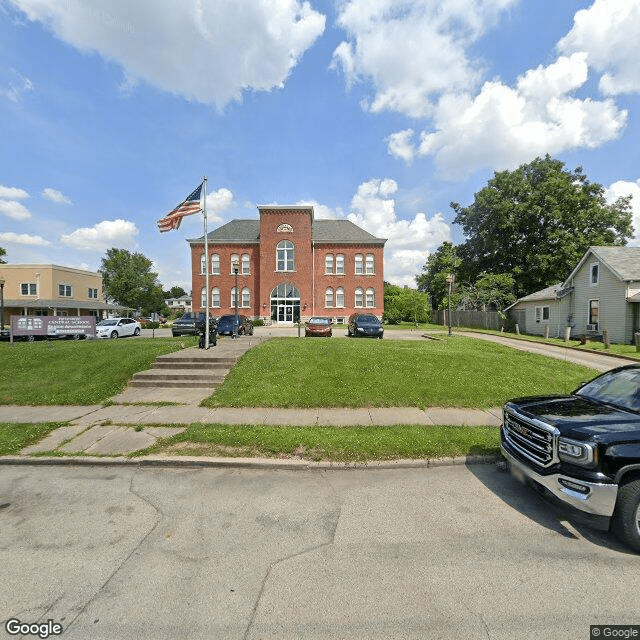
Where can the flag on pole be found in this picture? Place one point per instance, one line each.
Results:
(186, 208)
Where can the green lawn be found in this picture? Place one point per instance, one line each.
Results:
(344, 444)
(451, 372)
(14, 437)
(68, 372)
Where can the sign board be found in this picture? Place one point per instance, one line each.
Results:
(53, 326)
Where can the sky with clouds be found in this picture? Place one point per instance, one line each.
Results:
(379, 111)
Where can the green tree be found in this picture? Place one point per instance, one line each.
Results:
(127, 278)
(439, 265)
(174, 292)
(489, 291)
(405, 305)
(3, 253)
(536, 222)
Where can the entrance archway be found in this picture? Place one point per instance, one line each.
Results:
(285, 304)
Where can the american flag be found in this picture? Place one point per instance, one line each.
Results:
(186, 208)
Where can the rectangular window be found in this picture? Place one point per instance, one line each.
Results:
(542, 314)
(340, 297)
(215, 297)
(340, 264)
(370, 264)
(28, 289)
(93, 294)
(594, 312)
(246, 265)
(594, 274)
(215, 264)
(64, 290)
(246, 298)
(359, 265)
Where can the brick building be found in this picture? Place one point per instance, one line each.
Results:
(290, 267)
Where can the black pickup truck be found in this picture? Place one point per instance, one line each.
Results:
(583, 450)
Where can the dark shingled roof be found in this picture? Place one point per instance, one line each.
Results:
(324, 232)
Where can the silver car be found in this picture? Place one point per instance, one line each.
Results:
(117, 328)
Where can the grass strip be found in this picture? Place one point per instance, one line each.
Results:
(340, 444)
(15, 436)
(456, 371)
(69, 372)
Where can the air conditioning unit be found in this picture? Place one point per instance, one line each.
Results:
(592, 327)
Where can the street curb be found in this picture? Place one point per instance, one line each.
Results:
(246, 463)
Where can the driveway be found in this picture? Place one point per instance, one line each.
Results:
(445, 553)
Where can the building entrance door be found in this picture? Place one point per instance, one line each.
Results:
(285, 304)
(285, 313)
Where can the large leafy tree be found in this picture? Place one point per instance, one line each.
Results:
(404, 304)
(535, 223)
(128, 279)
(490, 291)
(442, 262)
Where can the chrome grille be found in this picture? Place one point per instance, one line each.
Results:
(531, 440)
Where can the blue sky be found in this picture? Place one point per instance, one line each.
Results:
(380, 111)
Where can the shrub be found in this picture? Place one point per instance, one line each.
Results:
(258, 322)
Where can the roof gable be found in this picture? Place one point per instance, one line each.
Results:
(623, 262)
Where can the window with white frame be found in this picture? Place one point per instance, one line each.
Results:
(233, 297)
(246, 297)
(215, 264)
(595, 274)
(339, 297)
(594, 313)
(64, 290)
(92, 293)
(215, 297)
(285, 256)
(340, 264)
(246, 264)
(359, 297)
(328, 297)
(371, 298)
(542, 314)
(359, 264)
(370, 264)
(203, 264)
(235, 263)
(203, 298)
(328, 263)
(28, 289)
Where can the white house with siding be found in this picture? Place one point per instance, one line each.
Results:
(602, 292)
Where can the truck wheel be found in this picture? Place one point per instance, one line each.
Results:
(626, 518)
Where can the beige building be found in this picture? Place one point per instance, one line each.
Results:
(51, 290)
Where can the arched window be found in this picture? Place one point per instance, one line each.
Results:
(246, 297)
(328, 297)
(285, 256)
(359, 264)
(246, 264)
(235, 263)
(203, 264)
(370, 264)
(203, 298)
(328, 263)
(371, 298)
(359, 297)
(215, 264)
(339, 297)
(340, 264)
(215, 297)
(233, 297)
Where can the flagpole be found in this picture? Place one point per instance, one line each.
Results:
(206, 265)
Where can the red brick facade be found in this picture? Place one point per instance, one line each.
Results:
(291, 267)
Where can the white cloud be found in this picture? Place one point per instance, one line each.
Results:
(205, 51)
(23, 238)
(623, 188)
(102, 236)
(55, 196)
(413, 50)
(401, 146)
(218, 201)
(608, 32)
(322, 211)
(16, 86)
(13, 193)
(503, 127)
(14, 210)
(409, 241)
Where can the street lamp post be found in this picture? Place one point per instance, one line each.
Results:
(1, 304)
(235, 326)
(450, 280)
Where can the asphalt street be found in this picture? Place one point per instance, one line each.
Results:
(452, 552)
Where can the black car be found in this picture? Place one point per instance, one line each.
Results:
(364, 325)
(191, 324)
(227, 325)
(583, 450)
